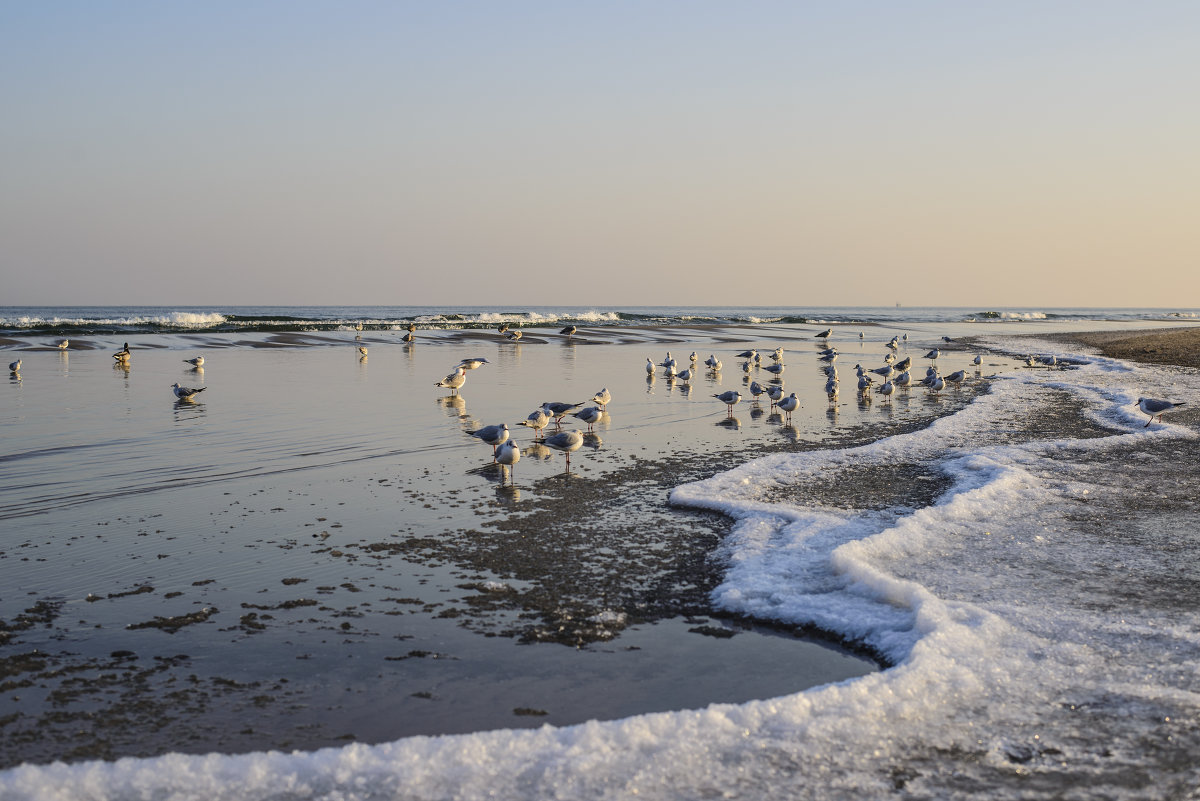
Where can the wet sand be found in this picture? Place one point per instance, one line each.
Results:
(1173, 346)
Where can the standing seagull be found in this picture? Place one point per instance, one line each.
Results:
(933, 354)
(454, 380)
(569, 331)
(536, 420)
(1151, 406)
(602, 398)
(590, 415)
(508, 455)
(515, 336)
(362, 351)
(729, 399)
(828, 332)
(789, 405)
(492, 435)
(649, 366)
(64, 344)
(15, 366)
(186, 393)
(566, 442)
(775, 393)
(196, 362)
(559, 410)
(409, 338)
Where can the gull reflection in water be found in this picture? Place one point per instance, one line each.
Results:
(455, 405)
(537, 451)
(730, 422)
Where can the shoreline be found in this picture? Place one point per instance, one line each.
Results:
(1179, 347)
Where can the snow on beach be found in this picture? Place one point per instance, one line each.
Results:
(1032, 654)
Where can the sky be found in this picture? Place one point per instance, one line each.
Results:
(980, 154)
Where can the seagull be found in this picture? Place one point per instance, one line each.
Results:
(903, 364)
(713, 362)
(515, 336)
(569, 330)
(669, 369)
(502, 328)
(933, 354)
(199, 361)
(694, 357)
(747, 365)
(828, 358)
(1050, 361)
(602, 398)
(123, 354)
(828, 332)
(789, 405)
(649, 366)
(410, 337)
(748, 354)
(729, 399)
(776, 369)
(536, 420)
(558, 410)
(777, 354)
(186, 393)
(894, 343)
(938, 383)
(492, 435)
(669, 361)
(412, 327)
(956, 378)
(473, 364)
(978, 360)
(15, 366)
(63, 345)
(508, 454)
(358, 326)
(864, 384)
(1151, 406)
(685, 375)
(775, 393)
(566, 442)
(756, 389)
(590, 415)
(831, 386)
(947, 339)
(454, 380)
(362, 350)
(887, 389)
(903, 380)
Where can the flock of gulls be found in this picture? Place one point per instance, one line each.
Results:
(505, 451)
(894, 375)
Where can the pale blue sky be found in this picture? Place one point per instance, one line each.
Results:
(947, 153)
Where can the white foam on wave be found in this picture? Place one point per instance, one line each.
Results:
(1004, 668)
(170, 319)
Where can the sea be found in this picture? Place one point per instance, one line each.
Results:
(1019, 556)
